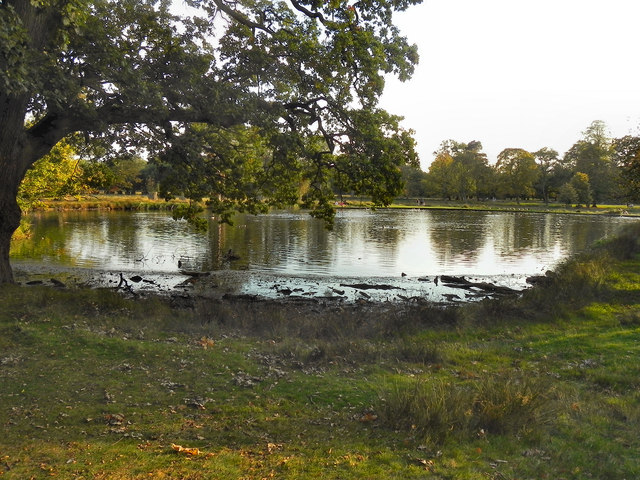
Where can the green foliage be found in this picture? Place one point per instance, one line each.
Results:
(415, 182)
(14, 76)
(460, 170)
(62, 173)
(582, 186)
(592, 155)
(55, 175)
(612, 166)
(288, 92)
(567, 194)
(228, 167)
(627, 158)
(547, 159)
(517, 171)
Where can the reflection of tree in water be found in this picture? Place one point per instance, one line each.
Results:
(456, 234)
(387, 230)
(362, 243)
(512, 233)
(47, 237)
(576, 235)
(378, 233)
(295, 241)
(112, 240)
(278, 239)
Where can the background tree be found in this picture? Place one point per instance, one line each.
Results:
(414, 180)
(582, 186)
(592, 155)
(54, 175)
(461, 169)
(131, 74)
(567, 194)
(627, 158)
(546, 158)
(440, 177)
(518, 172)
(127, 174)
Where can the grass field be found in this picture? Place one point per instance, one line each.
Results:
(97, 386)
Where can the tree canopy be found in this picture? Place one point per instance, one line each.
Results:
(459, 169)
(248, 99)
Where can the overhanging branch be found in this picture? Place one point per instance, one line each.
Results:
(307, 12)
(241, 18)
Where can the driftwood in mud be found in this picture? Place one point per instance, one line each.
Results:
(461, 282)
(195, 274)
(367, 286)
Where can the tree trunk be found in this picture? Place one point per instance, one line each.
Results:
(12, 169)
(18, 149)
(9, 222)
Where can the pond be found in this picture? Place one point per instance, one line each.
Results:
(290, 253)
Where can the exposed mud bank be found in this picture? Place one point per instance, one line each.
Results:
(258, 286)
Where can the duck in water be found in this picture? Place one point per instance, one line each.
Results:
(231, 256)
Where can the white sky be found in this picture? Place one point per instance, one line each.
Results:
(516, 73)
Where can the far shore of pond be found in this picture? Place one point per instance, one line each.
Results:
(150, 202)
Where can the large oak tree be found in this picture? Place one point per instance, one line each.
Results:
(299, 79)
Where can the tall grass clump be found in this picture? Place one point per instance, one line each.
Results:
(436, 410)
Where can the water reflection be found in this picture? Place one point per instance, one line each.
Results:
(363, 243)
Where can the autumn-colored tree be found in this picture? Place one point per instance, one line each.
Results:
(460, 169)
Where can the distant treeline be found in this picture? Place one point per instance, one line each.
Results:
(596, 169)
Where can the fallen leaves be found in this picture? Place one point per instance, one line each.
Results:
(428, 465)
(368, 417)
(205, 342)
(114, 419)
(189, 451)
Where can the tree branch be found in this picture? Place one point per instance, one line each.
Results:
(307, 12)
(241, 18)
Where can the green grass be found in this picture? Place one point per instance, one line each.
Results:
(97, 386)
(534, 206)
(106, 202)
(143, 202)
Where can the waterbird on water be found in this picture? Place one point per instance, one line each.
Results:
(231, 256)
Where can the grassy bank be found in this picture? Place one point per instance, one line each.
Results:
(106, 202)
(533, 206)
(143, 202)
(96, 386)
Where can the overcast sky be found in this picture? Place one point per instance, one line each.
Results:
(516, 73)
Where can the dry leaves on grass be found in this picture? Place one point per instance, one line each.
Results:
(190, 451)
(205, 342)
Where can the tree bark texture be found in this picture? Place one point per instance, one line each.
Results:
(19, 147)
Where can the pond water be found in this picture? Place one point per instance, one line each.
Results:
(290, 252)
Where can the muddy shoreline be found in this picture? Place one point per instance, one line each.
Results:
(274, 286)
